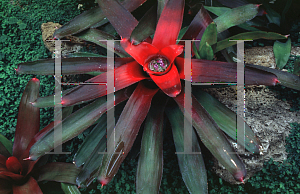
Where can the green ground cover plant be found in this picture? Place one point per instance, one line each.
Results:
(20, 41)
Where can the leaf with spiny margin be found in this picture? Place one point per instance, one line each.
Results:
(226, 120)
(282, 52)
(247, 36)
(191, 166)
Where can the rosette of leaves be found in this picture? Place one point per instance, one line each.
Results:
(149, 72)
(21, 176)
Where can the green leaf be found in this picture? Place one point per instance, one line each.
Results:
(272, 15)
(209, 36)
(145, 27)
(150, 164)
(95, 36)
(282, 52)
(83, 54)
(226, 120)
(74, 124)
(217, 10)
(56, 171)
(236, 16)
(93, 162)
(136, 110)
(90, 18)
(247, 36)
(285, 78)
(191, 166)
(213, 138)
(76, 65)
(69, 188)
(206, 52)
(195, 50)
(7, 144)
(90, 142)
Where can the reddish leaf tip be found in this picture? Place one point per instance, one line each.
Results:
(35, 79)
(103, 181)
(29, 158)
(257, 5)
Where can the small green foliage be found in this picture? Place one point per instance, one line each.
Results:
(21, 41)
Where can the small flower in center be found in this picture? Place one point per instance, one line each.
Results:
(158, 65)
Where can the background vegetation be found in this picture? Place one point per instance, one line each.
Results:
(21, 41)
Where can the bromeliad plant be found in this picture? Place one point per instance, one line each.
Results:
(148, 78)
(21, 176)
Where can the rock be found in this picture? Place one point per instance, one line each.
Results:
(268, 116)
(72, 46)
(264, 56)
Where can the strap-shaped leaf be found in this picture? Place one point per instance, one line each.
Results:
(198, 25)
(233, 3)
(169, 24)
(236, 16)
(282, 52)
(247, 36)
(119, 17)
(57, 171)
(206, 52)
(93, 162)
(145, 27)
(28, 123)
(226, 120)
(150, 164)
(75, 124)
(127, 127)
(95, 36)
(285, 78)
(125, 76)
(209, 36)
(215, 71)
(83, 54)
(91, 17)
(5, 146)
(69, 188)
(90, 142)
(76, 65)
(213, 138)
(191, 165)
